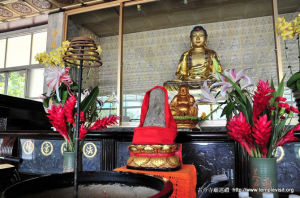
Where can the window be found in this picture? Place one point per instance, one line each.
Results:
(20, 74)
(2, 52)
(2, 83)
(18, 51)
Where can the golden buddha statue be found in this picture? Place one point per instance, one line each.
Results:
(183, 110)
(195, 65)
(183, 103)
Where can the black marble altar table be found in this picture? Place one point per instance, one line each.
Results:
(211, 151)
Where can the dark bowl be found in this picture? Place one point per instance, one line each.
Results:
(52, 182)
(8, 176)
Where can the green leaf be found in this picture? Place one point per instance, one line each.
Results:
(242, 107)
(272, 83)
(249, 110)
(281, 87)
(236, 87)
(228, 109)
(292, 80)
(89, 100)
(74, 87)
(46, 102)
(64, 96)
(298, 84)
(278, 92)
(216, 65)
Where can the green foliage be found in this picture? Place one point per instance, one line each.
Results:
(228, 109)
(294, 81)
(63, 93)
(16, 84)
(186, 117)
(238, 102)
(2, 84)
(90, 100)
(278, 92)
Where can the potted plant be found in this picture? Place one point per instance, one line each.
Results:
(290, 30)
(60, 103)
(259, 122)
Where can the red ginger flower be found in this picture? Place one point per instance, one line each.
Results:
(82, 131)
(104, 122)
(261, 98)
(69, 108)
(283, 105)
(288, 110)
(272, 108)
(262, 132)
(82, 117)
(282, 117)
(240, 131)
(280, 99)
(57, 119)
(289, 136)
(293, 109)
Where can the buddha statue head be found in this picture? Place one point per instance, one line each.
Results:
(198, 37)
(183, 90)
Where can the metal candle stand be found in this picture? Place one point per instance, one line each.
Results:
(81, 52)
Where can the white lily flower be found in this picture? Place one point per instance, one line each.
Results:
(235, 77)
(208, 96)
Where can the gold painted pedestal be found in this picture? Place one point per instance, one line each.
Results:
(173, 85)
(154, 157)
(187, 123)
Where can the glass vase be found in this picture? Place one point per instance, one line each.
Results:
(69, 161)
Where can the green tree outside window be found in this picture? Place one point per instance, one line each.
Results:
(16, 84)
(2, 85)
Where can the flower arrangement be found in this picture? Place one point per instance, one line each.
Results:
(257, 121)
(60, 99)
(63, 117)
(290, 30)
(59, 83)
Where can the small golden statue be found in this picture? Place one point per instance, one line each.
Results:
(195, 65)
(183, 110)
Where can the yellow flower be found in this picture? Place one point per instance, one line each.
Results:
(287, 34)
(288, 30)
(55, 57)
(297, 24)
(203, 115)
(99, 50)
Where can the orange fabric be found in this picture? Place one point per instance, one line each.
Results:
(184, 180)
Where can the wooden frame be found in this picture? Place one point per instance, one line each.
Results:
(277, 43)
(121, 4)
(124, 3)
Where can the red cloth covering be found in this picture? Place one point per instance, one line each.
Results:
(155, 134)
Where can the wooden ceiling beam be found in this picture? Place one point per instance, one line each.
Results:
(105, 4)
